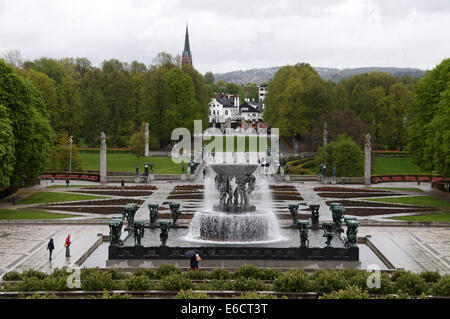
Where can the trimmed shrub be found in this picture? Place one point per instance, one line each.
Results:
(34, 273)
(220, 273)
(28, 284)
(189, 294)
(269, 274)
(149, 273)
(351, 292)
(60, 273)
(12, 276)
(116, 274)
(96, 281)
(442, 287)
(175, 282)
(430, 276)
(360, 280)
(44, 296)
(411, 283)
(255, 295)
(247, 271)
(54, 284)
(197, 274)
(115, 295)
(167, 269)
(139, 283)
(248, 284)
(292, 281)
(330, 281)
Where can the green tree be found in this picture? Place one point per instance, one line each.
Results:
(69, 116)
(137, 142)
(345, 155)
(95, 113)
(31, 128)
(7, 152)
(209, 78)
(429, 130)
(60, 155)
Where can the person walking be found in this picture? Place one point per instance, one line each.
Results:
(67, 245)
(67, 182)
(194, 262)
(204, 173)
(50, 247)
(122, 184)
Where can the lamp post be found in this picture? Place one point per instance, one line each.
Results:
(70, 154)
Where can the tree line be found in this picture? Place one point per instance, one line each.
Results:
(82, 100)
(400, 113)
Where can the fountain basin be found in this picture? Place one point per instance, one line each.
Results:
(232, 170)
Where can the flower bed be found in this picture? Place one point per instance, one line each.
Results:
(356, 203)
(346, 189)
(362, 211)
(131, 193)
(188, 187)
(356, 195)
(116, 201)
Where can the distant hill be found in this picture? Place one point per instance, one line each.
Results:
(259, 76)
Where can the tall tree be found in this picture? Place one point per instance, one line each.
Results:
(429, 130)
(31, 128)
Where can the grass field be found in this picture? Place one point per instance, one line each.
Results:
(257, 145)
(30, 214)
(70, 186)
(127, 163)
(414, 200)
(407, 189)
(443, 218)
(395, 165)
(50, 197)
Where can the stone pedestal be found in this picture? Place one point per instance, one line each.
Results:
(103, 177)
(147, 141)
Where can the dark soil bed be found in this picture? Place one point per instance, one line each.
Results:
(347, 189)
(117, 201)
(283, 187)
(187, 187)
(136, 187)
(117, 193)
(380, 211)
(347, 203)
(354, 195)
(191, 196)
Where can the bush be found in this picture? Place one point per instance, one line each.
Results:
(12, 276)
(269, 274)
(54, 284)
(215, 284)
(167, 269)
(410, 283)
(248, 284)
(255, 295)
(106, 295)
(292, 281)
(351, 292)
(247, 271)
(149, 273)
(189, 294)
(96, 281)
(139, 283)
(360, 280)
(442, 287)
(60, 273)
(329, 281)
(309, 164)
(116, 274)
(430, 276)
(34, 273)
(220, 273)
(197, 274)
(175, 282)
(44, 296)
(28, 284)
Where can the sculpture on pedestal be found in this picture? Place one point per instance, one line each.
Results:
(138, 231)
(175, 209)
(153, 208)
(164, 226)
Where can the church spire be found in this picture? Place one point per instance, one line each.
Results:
(186, 57)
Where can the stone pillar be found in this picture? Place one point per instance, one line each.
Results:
(367, 160)
(103, 178)
(325, 134)
(147, 151)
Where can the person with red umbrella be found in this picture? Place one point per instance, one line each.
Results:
(67, 245)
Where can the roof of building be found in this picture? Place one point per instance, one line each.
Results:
(247, 108)
(225, 102)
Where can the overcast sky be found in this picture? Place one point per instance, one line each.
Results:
(234, 34)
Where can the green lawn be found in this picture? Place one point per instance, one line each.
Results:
(127, 163)
(30, 214)
(430, 201)
(70, 186)
(395, 165)
(445, 218)
(257, 145)
(50, 197)
(407, 189)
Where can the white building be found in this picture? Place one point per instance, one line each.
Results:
(250, 111)
(224, 108)
(262, 90)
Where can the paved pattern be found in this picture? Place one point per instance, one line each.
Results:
(23, 246)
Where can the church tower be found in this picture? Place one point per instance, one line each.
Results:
(186, 57)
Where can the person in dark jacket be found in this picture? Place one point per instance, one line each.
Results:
(194, 262)
(50, 247)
